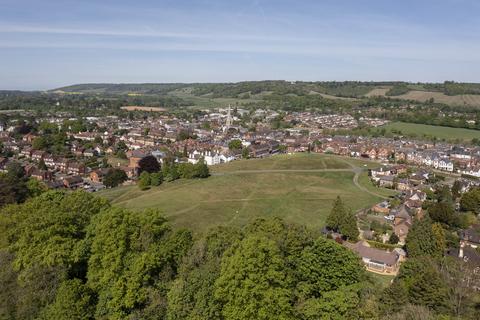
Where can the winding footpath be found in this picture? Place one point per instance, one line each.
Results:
(354, 169)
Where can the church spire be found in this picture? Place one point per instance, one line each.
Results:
(229, 118)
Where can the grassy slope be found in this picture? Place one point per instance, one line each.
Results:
(440, 132)
(230, 197)
(206, 101)
(422, 95)
(457, 100)
(365, 181)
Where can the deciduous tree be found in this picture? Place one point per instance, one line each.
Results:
(253, 283)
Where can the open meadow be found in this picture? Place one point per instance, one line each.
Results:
(299, 188)
(428, 131)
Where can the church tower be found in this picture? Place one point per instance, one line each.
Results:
(228, 124)
(229, 121)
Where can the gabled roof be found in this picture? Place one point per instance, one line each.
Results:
(472, 234)
(376, 255)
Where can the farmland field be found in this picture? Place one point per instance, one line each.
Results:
(458, 100)
(207, 101)
(422, 96)
(378, 92)
(423, 130)
(141, 108)
(298, 188)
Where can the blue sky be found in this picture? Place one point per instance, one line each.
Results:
(49, 43)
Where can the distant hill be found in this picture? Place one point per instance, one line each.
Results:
(449, 92)
(350, 89)
(121, 88)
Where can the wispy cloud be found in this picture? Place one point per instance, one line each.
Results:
(209, 40)
(145, 33)
(321, 49)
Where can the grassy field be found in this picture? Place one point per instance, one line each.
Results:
(422, 130)
(365, 181)
(378, 92)
(299, 161)
(458, 100)
(422, 96)
(206, 101)
(232, 196)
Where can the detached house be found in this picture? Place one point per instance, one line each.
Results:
(376, 260)
(98, 175)
(386, 181)
(471, 237)
(402, 222)
(73, 182)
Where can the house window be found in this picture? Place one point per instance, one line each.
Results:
(376, 266)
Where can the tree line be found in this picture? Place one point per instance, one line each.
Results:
(71, 255)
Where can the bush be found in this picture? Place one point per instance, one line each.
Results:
(394, 239)
(144, 181)
(114, 177)
(156, 179)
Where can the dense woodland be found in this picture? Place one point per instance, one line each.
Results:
(71, 255)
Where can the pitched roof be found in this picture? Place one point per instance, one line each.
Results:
(377, 255)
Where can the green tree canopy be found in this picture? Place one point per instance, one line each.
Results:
(326, 266)
(191, 294)
(50, 229)
(421, 240)
(235, 144)
(253, 283)
(114, 177)
(343, 220)
(470, 201)
(73, 301)
(148, 164)
(144, 180)
(443, 212)
(133, 257)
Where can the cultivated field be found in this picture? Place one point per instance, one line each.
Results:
(328, 96)
(299, 188)
(378, 92)
(207, 101)
(141, 108)
(422, 130)
(422, 96)
(460, 100)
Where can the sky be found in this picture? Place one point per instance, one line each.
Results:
(46, 44)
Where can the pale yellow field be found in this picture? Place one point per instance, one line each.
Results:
(466, 99)
(422, 96)
(140, 108)
(378, 92)
(328, 96)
